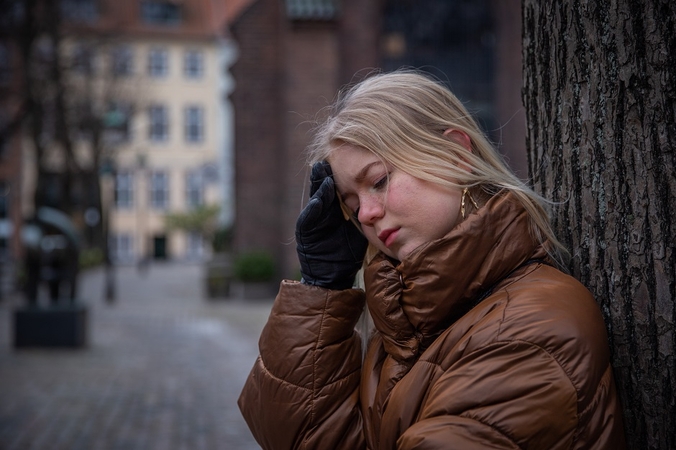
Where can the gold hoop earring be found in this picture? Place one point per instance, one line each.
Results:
(466, 193)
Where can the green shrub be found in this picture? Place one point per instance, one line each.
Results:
(222, 240)
(254, 266)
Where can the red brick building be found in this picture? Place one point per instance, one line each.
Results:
(295, 55)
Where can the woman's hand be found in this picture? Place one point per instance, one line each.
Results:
(330, 247)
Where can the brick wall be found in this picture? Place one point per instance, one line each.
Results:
(310, 84)
(286, 73)
(359, 37)
(258, 147)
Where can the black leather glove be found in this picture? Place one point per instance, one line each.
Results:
(330, 248)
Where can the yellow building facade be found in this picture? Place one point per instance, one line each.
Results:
(158, 73)
(170, 160)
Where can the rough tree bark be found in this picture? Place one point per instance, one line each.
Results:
(600, 98)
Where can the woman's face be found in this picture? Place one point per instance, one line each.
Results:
(397, 211)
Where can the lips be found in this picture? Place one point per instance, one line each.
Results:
(388, 236)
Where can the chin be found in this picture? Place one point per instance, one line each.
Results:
(397, 254)
(400, 254)
(388, 252)
(404, 252)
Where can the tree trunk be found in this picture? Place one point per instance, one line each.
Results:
(600, 98)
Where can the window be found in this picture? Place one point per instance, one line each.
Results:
(193, 64)
(5, 66)
(83, 117)
(194, 189)
(4, 137)
(312, 10)
(122, 61)
(4, 200)
(5, 221)
(79, 10)
(194, 124)
(121, 247)
(158, 123)
(117, 122)
(158, 63)
(159, 12)
(124, 189)
(159, 190)
(83, 59)
(13, 14)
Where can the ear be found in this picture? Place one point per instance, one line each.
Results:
(459, 137)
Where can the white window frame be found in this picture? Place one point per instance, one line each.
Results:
(158, 62)
(122, 61)
(83, 59)
(158, 123)
(194, 189)
(116, 133)
(193, 124)
(124, 189)
(193, 64)
(159, 190)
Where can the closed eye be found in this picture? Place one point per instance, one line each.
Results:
(381, 183)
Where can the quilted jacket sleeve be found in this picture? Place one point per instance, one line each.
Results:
(302, 392)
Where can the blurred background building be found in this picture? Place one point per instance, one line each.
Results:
(128, 113)
(165, 120)
(117, 113)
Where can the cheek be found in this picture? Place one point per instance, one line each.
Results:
(370, 234)
(404, 197)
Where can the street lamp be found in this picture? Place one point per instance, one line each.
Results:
(141, 163)
(108, 173)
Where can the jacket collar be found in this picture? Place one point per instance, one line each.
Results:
(413, 301)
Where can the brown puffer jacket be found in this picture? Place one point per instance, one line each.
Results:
(478, 343)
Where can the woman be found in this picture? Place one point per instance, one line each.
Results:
(479, 341)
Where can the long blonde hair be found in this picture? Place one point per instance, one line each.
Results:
(401, 117)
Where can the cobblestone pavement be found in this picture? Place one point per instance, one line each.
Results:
(162, 370)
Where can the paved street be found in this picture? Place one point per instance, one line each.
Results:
(163, 369)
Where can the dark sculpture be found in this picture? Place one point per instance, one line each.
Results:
(52, 256)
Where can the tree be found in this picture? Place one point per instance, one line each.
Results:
(73, 112)
(202, 220)
(600, 98)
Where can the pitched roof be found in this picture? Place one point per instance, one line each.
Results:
(233, 9)
(201, 19)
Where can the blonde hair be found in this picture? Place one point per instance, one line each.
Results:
(401, 117)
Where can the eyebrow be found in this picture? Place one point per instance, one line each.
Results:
(361, 175)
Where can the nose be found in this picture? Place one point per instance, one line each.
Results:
(371, 208)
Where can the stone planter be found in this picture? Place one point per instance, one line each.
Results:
(254, 272)
(63, 325)
(218, 276)
(254, 290)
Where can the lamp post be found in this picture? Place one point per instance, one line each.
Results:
(141, 163)
(108, 172)
(6, 230)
